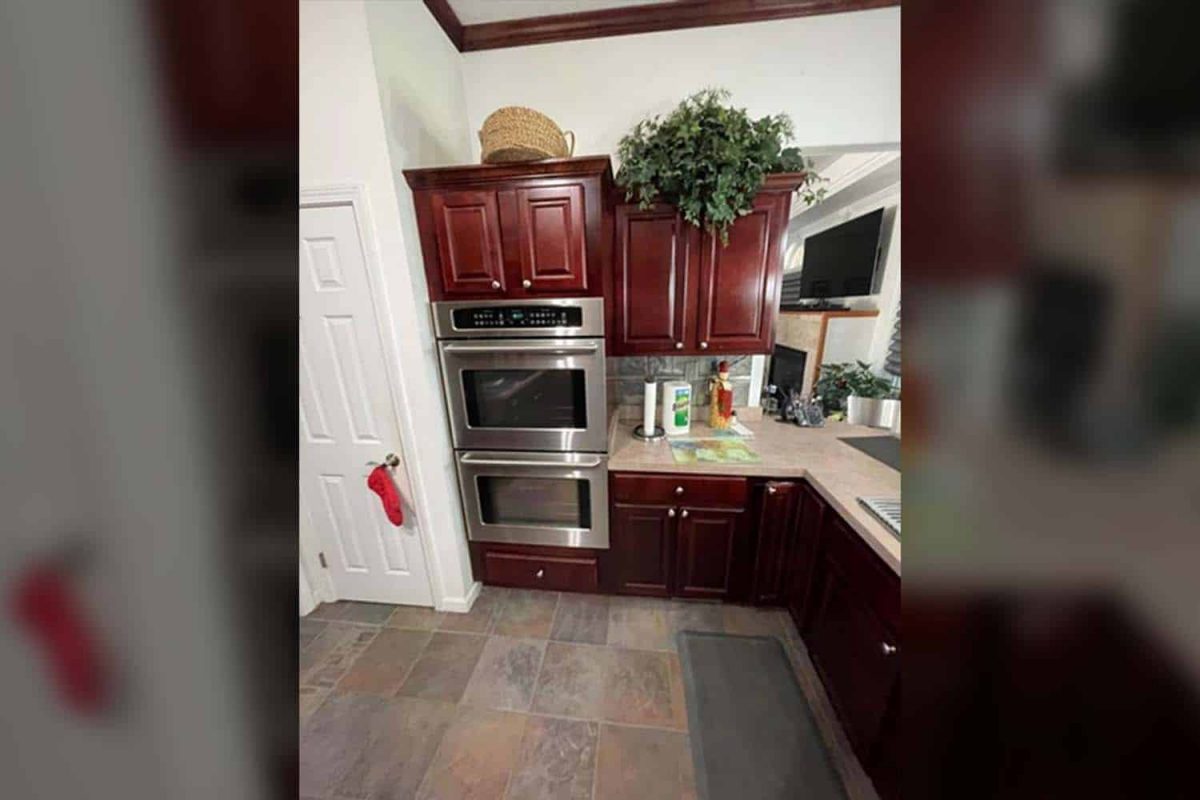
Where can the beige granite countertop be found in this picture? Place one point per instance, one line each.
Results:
(840, 473)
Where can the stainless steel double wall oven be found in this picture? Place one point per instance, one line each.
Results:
(525, 389)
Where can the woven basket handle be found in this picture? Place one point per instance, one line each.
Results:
(571, 149)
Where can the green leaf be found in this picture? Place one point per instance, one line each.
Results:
(709, 159)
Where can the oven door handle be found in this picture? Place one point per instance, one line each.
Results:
(513, 462)
(552, 349)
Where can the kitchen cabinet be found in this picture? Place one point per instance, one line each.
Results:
(641, 542)
(775, 504)
(852, 634)
(651, 283)
(466, 227)
(707, 545)
(680, 290)
(802, 554)
(678, 536)
(515, 230)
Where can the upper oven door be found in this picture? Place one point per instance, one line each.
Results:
(514, 394)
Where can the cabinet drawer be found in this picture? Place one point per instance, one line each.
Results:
(528, 571)
(680, 490)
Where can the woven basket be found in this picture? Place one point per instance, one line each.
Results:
(514, 133)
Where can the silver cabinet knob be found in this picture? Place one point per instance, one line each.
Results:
(679, 345)
(495, 284)
(678, 490)
(684, 513)
(671, 512)
(541, 573)
(527, 283)
(889, 649)
(771, 489)
(704, 345)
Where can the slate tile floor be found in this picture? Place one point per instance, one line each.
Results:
(531, 696)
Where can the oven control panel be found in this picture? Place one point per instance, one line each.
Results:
(479, 318)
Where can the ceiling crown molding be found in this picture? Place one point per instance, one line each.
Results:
(631, 19)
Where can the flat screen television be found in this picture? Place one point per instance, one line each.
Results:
(839, 262)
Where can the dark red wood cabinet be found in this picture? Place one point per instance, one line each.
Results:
(515, 230)
(709, 546)
(562, 569)
(802, 553)
(642, 548)
(775, 515)
(852, 634)
(677, 289)
(678, 536)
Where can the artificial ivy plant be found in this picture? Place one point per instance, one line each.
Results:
(709, 159)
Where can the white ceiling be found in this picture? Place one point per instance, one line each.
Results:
(473, 12)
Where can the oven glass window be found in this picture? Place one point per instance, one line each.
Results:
(525, 398)
(553, 502)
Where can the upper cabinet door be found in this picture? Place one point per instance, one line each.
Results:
(466, 226)
(739, 282)
(551, 241)
(651, 281)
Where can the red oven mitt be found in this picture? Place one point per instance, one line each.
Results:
(381, 484)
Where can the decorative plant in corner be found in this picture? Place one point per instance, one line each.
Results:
(709, 159)
(839, 382)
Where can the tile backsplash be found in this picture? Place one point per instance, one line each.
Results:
(626, 376)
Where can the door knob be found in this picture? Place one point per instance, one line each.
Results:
(527, 283)
(495, 284)
(541, 573)
(678, 490)
(889, 649)
(704, 345)
(684, 513)
(771, 489)
(679, 345)
(671, 512)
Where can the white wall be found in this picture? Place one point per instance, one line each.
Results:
(343, 139)
(836, 75)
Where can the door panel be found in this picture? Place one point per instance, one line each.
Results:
(347, 417)
(850, 649)
(651, 281)
(811, 516)
(776, 523)
(739, 281)
(467, 228)
(706, 548)
(551, 233)
(641, 549)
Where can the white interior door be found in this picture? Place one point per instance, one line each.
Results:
(347, 417)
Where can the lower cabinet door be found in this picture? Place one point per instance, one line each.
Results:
(709, 553)
(856, 655)
(640, 549)
(775, 517)
(803, 554)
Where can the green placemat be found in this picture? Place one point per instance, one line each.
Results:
(713, 451)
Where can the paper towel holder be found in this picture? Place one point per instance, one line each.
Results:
(640, 433)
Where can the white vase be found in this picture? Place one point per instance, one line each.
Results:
(889, 414)
(862, 410)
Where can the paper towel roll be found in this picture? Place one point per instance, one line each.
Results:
(676, 407)
(649, 407)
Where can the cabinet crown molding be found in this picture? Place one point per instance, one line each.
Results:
(476, 174)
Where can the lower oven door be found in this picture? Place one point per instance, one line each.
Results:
(535, 498)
